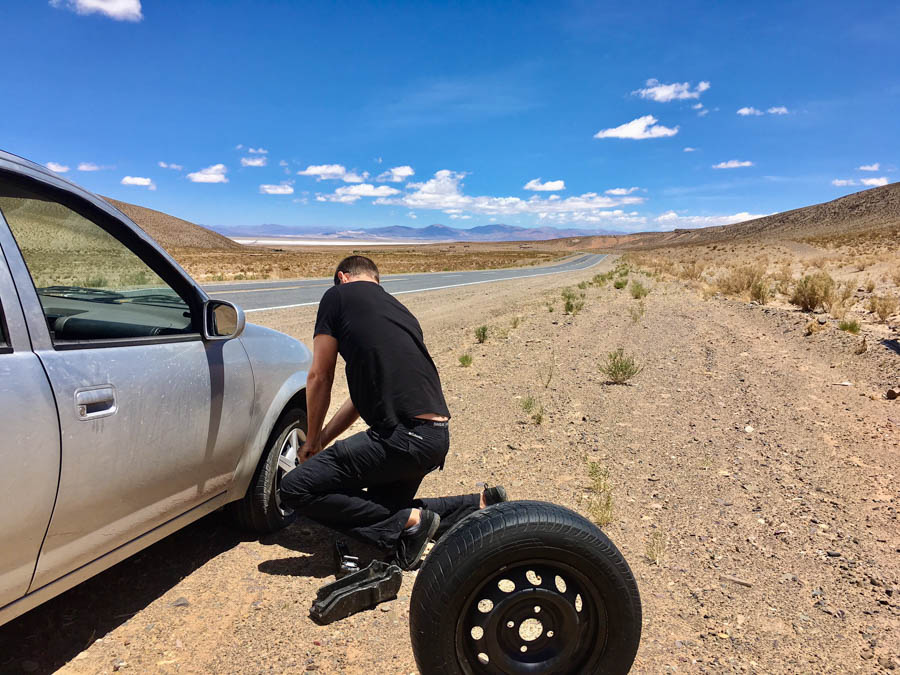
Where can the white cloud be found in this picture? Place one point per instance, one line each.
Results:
(350, 193)
(282, 189)
(120, 10)
(535, 184)
(412, 214)
(396, 175)
(732, 164)
(664, 93)
(139, 181)
(211, 174)
(874, 182)
(673, 220)
(843, 182)
(253, 161)
(57, 167)
(777, 110)
(283, 162)
(88, 166)
(869, 167)
(239, 146)
(444, 193)
(166, 165)
(622, 191)
(257, 151)
(697, 106)
(690, 149)
(703, 113)
(637, 129)
(333, 172)
(749, 111)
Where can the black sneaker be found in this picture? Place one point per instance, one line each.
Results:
(494, 495)
(411, 546)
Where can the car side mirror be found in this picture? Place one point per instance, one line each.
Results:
(222, 320)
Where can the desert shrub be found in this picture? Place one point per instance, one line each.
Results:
(870, 285)
(692, 270)
(851, 326)
(656, 547)
(516, 320)
(572, 302)
(619, 367)
(582, 285)
(620, 283)
(636, 312)
(739, 280)
(760, 292)
(600, 506)
(812, 291)
(481, 334)
(465, 360)
(638, 290)
(883, 306)
(533, 407)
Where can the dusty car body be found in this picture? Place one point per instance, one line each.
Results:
(130, 403)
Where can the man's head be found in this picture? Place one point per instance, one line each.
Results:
(356, 268)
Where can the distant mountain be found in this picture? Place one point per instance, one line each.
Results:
(436, 232)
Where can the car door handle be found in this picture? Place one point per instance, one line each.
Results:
(94, 402)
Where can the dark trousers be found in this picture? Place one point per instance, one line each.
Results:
(365, 486)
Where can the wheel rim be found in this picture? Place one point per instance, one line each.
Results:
(538, 616)
(288, 457)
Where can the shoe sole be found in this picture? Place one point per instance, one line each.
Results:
(435, 524)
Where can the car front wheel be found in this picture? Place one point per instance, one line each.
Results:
(261, 509)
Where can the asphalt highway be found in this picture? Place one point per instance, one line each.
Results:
(258, 296)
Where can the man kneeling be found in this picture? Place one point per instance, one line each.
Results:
(365, 485)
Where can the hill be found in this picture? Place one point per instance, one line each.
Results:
(174, 233)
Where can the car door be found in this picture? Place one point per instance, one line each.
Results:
(152, 417)
(29, 446)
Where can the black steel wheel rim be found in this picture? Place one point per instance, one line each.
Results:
(537, 616)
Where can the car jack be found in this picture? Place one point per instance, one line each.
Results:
(355, 591)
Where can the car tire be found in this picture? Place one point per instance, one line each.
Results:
(261, 509)
(526, 587)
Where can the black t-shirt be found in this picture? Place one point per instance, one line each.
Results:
(389, 371)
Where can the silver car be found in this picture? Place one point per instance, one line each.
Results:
(131, 404)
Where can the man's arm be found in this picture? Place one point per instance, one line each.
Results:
(343, 418)
(318, 392)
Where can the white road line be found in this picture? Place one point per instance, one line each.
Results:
(439, 288)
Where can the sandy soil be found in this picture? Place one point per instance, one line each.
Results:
(737, 442)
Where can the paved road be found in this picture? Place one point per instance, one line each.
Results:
(257, 296)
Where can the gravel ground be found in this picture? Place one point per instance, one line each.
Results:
(771, 488)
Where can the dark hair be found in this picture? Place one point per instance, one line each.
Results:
(356, 264)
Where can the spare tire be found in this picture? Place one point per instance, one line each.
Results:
(525, 587)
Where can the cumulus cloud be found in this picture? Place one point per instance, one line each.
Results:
(690, 149)
(351, 193)
(622, 191)
(673, 220)
(89, 166)
(749, 110)
(536, 185)
(777, 110)
(396, 175)
(732, 164)
(280, 189)
(843, 182)
(167, 165)
(139, 181)
(333, 172)
(211, 174)
(657, 91)
(120, 10)
(253, 161)
(257, 151)
(874, 182)
(57, 167)
(637, 129)
(869, 167)
(444, 192)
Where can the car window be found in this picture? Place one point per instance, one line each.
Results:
(91, 286)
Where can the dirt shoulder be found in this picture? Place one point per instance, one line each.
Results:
(736, 443)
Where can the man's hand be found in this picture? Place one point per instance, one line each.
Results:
(308, 450)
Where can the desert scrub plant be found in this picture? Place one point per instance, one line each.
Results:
(740, 280)
(573, 302)
(656, 547)
(883, 306)
(600, 506)
(516, 321)
(870, 285)
(465, 360)
(620, 283)
(481, 334)
(851, 326)
(812, 291)
(638, 290)
(532, 407)
(760, 292)
(583, 284)
(636, 312)
(546, 379)
(620, 367)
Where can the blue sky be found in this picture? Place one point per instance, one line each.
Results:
(344, 115)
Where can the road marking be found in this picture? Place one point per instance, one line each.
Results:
(438, 288)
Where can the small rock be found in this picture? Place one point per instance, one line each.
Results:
(748, 429)
(384, 608)
(886, 662)
(833, 554)
(892, 393)
(736, 580)
(822, 320)
(181, 602)
(866, 654)
(119, 664)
